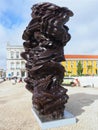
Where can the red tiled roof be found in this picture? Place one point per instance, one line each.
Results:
(81, 56)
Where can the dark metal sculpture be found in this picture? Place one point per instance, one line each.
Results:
(45, 37)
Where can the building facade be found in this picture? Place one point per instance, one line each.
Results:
(15, 64)
(89, 64)
(2, 73)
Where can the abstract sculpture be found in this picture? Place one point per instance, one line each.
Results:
(45, 38)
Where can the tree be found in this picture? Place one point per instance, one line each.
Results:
(96, 71)
(89, 68)
(69, 72)
(79, 68)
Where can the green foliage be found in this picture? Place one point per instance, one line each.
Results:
(89, 67)
(79, 68)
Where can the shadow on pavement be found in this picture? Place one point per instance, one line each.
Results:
(76, 102)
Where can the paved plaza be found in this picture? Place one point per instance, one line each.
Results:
(16, 103)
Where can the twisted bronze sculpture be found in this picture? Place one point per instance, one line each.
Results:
(45, 37)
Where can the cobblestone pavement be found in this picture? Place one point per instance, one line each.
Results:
(16, 103)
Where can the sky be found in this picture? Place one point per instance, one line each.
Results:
(83, 26)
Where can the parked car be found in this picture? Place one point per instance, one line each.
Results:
(2, 79)
(69, 81)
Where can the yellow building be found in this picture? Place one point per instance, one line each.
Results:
(89, 64)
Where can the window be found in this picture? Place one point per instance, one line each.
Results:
(94, 63)
(87, 63)
(23, 65)
(77, 62)
(12, 65)
(17, 65)
(12, 54)
(12, 73)
(23, 73)
(72, 64)
(17, 55)
(97, 63)
(17, 73)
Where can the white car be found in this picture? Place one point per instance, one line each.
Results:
(70, 81)
(2, 79)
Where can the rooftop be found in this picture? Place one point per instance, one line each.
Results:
(81, 56)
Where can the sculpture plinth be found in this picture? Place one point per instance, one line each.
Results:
(45, 37)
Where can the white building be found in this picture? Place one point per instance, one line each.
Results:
(15, 64)
(1, 72)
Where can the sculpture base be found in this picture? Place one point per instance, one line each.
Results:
(44, 124)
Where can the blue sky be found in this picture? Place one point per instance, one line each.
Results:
(83, 26)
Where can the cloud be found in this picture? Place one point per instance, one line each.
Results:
(15, 16)
(83, 47)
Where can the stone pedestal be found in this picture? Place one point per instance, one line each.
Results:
(44, 124)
